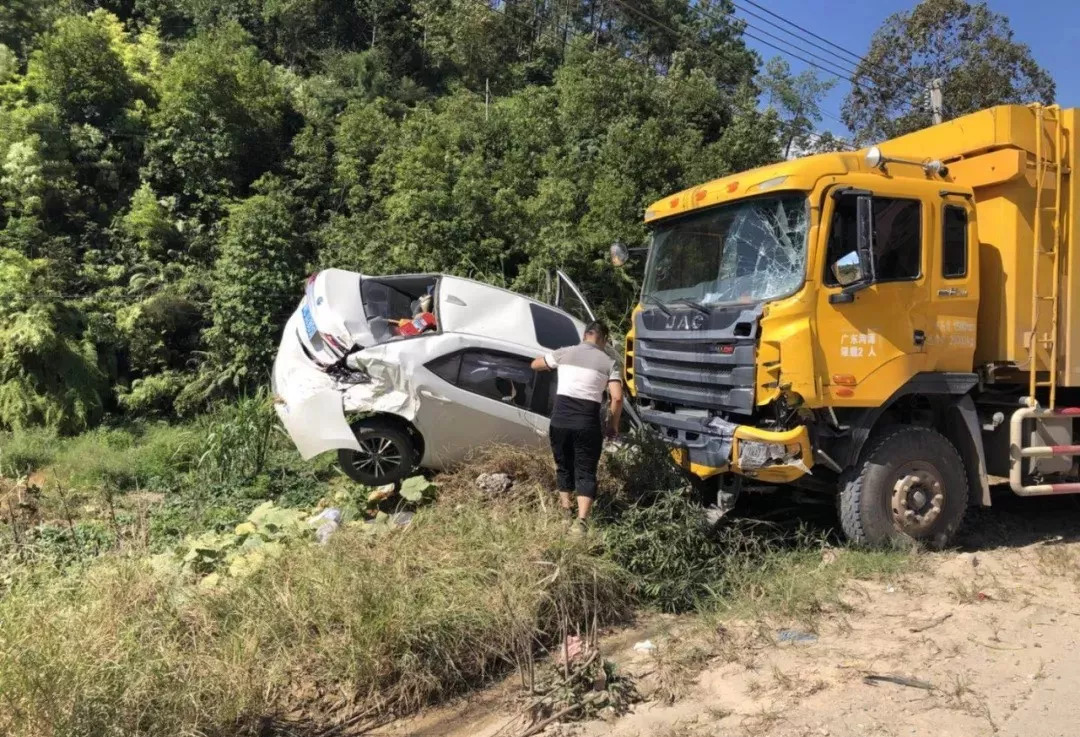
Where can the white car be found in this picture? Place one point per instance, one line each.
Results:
(459, 381)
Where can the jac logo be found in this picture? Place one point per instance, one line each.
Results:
(685, 322)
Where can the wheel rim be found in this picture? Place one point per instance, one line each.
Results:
(917, 499)
(379, 456)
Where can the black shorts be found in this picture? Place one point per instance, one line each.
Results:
(577, 455)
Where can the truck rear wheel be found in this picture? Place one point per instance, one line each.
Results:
(909, 485)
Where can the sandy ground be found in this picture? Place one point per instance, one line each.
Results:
(990, 630)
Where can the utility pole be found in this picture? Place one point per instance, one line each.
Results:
(935, 100)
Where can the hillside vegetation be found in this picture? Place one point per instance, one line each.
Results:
(171, 171)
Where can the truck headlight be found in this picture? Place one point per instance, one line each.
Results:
(757, 454)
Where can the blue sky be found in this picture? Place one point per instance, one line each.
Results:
(1050, 28)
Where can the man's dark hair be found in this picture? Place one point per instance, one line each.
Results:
(598, 329)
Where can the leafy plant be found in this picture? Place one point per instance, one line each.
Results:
(265, 534)
(236, 439)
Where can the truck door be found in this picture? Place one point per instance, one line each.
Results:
(954, 287)
(872, 340)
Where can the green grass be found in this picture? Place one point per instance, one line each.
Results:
(25, 450)
(398, 620)
(96, 640)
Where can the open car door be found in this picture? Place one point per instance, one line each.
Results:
(570, 299)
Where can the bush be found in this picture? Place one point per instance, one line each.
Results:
(152, 456)
(669, 550)
(235, 440)
(25, 450)
(399, 619)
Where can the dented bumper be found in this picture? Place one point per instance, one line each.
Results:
(766, 455)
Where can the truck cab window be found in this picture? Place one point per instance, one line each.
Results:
(897, 238)
(954, 242)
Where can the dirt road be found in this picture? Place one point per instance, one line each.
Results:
(988, 632)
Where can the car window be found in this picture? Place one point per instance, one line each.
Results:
(543, 396)
(501, 376)
(897, 237)
(954, 243)
(447, 367)
(553, 329)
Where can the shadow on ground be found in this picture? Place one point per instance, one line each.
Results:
(1010, 522)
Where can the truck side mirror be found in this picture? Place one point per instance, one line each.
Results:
(864, 222)
(848, 269)
(619, 254)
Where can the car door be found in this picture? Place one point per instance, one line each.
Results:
(570, 299)
(475, 397)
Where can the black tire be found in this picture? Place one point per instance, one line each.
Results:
(388, 455)
(909, 485)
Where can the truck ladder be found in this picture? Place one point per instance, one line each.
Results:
(1042, 348)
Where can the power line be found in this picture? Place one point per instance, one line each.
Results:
(804, 30)
(834, 59)
(672, 30)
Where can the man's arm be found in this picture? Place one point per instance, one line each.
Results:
(614, 388)
(548, 361)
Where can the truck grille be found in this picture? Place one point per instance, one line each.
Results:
(711, 368)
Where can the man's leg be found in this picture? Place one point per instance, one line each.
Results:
(562, 448)
(587, 448)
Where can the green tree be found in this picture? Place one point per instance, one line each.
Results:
(256, 282)
(797, 100)
(968, 46)
(220, 122)
(49, 369)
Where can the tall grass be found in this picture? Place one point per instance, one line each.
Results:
(391, 620)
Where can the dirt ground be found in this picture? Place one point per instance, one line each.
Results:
(988, 631)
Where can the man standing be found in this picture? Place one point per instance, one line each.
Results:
(585, 371)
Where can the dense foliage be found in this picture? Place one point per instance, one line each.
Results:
(170, 171)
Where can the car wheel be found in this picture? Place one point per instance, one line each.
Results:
(909, 485)
(387, 454)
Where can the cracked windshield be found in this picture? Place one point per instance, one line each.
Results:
(743, 252)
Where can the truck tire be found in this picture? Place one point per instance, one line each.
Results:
(387, 453)
(909, 485)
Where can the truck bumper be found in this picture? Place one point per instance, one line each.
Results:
(771, 456)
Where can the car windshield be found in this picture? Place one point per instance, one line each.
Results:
(748, 251)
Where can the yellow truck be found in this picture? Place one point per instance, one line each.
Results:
(894, 326)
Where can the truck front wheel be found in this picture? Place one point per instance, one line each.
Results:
(909, 485)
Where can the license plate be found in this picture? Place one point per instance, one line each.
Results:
(309, 322)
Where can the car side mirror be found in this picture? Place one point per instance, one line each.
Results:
(848, 269)
(855, 269)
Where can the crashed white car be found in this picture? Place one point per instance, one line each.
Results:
(428, 367)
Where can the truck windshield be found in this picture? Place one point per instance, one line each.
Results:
(748, 251)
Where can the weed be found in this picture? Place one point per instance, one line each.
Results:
(25, 450)
(397, 620)
(677, 664)
(965, 592)
(669, 549)
(235, 440)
